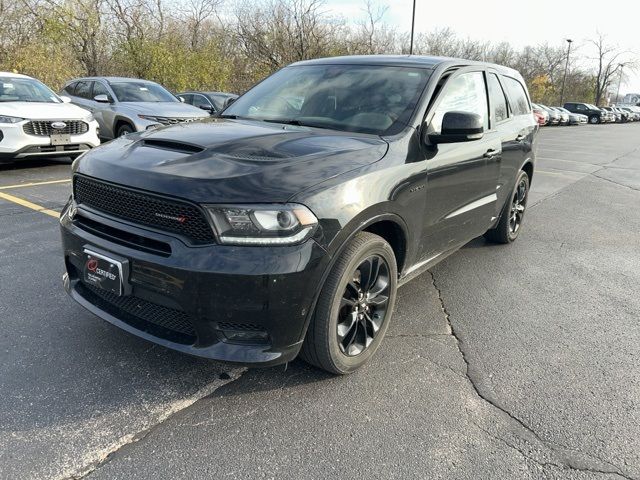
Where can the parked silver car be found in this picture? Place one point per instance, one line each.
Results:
(126, 105)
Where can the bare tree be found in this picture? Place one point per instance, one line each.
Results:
(609, 62)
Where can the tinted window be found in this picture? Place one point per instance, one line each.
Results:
(201, 101)
(581, 107)
(83, 90)
(497, 99)
(517, 96)
(187, 97)
(357, 98)
(100, 89)
(69, 89)
(464, 93)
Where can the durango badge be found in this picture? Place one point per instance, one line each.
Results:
(176, 218)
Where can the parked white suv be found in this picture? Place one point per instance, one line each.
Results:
(35, 122)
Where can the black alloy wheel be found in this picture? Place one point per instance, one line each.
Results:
(518, 205)
(355, 306)
(364, 306)
(510, 223)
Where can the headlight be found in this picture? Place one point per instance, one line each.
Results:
(286, 224)
(151, 118)
(6, 119)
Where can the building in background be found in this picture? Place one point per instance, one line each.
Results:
(631, 99)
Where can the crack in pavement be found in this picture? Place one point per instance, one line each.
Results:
(566, 458)
(104, 455)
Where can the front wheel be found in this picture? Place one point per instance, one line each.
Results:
(593, 119)
(512, 214)
(354, 307)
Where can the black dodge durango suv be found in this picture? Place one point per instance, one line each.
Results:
(285, 225)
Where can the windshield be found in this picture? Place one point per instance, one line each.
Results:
(141, 92)
(14, 89)
(354, 98)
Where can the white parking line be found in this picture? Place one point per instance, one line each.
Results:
(34, 184)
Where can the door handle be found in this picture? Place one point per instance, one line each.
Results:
(519, 138)
(491, 153)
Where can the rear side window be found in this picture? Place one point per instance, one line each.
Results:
(464, 93)
(517, 96)
(497, 99)
(69, 89)
(83, 90)
(188, 98)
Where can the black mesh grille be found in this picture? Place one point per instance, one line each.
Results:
(165, 214)
(43, 128)
(250, 327)
(140, 309)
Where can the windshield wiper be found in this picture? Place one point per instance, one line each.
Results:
(299, 123)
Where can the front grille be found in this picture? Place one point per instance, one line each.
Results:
(169, 215)
(43, 128)
(128, 308)
(248, 327)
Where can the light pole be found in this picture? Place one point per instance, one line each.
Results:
(619, 83)
(566, 68)
(413, 24)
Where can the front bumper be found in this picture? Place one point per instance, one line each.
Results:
(193, 299)
(16, 144)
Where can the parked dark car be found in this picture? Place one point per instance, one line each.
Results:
(594, 114)
(287, 224)
(212, 102)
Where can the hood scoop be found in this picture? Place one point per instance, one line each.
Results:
(173, 145)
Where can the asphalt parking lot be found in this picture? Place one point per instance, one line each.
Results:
(516, 361)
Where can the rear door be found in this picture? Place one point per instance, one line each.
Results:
(517, 135)
(461, 177)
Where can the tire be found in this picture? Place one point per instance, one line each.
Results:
(506, 231)
(594, 119)
(124, 129)
(323, 346)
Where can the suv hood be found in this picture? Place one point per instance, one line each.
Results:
(165, 109)
(43, 110)
(225, 161)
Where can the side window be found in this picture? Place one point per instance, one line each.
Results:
(100, 89)
(188, 98)
(497, 99)
(581, 108)
(201, 101)
(464, 93)
(70, 88)
(517, 96)
(83, 90)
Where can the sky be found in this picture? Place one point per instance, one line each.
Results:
(520, 22)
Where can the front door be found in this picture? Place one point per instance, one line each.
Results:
(461, 177)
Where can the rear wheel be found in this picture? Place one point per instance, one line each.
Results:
(354, 308)
(512, 214)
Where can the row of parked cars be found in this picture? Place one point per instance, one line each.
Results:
(577, 113)
(36, 122)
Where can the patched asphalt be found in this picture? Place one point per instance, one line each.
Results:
(517, 361)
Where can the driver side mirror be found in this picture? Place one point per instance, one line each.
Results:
(459, 127)
(207, 108)
(102, 98)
